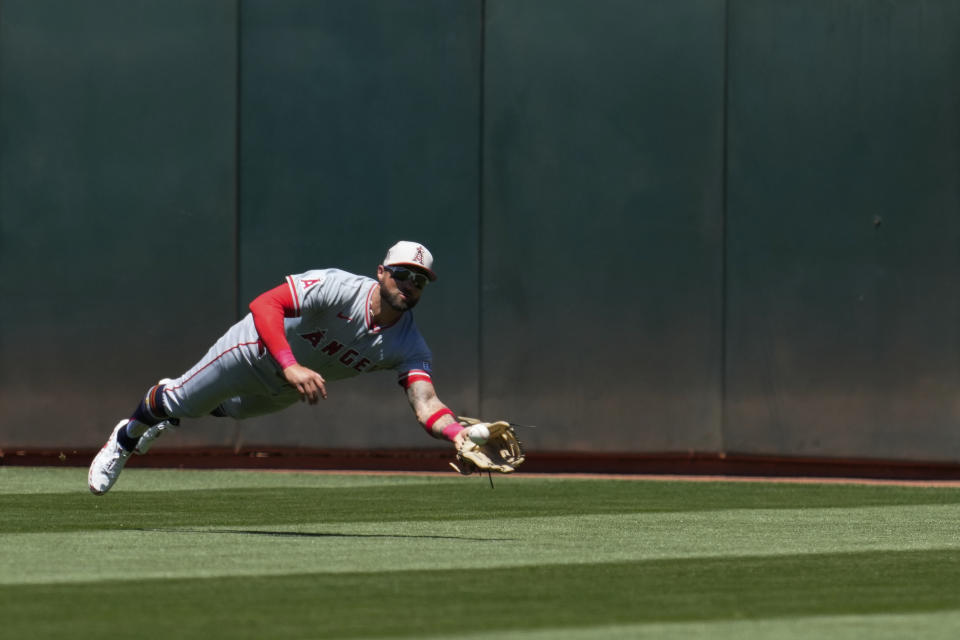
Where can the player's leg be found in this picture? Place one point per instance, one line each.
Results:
(249, 406)
(109, 462)
(151, 413)
(150, 435)
(237, 407)
(231, 367)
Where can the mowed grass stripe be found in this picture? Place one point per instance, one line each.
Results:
(472, 545)
(939, 625)
(395, 604)
(439, 499)
(33, 480)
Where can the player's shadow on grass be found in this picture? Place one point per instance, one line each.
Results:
(302, 534)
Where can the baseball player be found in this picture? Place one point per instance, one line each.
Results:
(315, 328)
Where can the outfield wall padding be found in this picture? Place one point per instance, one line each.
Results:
(843, 228)
(117, 205)
(602, 222)
(695, 225)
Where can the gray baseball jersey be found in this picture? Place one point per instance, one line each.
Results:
(333, 333)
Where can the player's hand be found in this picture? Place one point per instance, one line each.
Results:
(307, 382)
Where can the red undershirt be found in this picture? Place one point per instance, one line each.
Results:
(269, 309)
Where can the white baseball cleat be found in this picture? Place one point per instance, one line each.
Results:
(150, 436)
(107, 465)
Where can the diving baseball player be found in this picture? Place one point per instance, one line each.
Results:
(315, 328)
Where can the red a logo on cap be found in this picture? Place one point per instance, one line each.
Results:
(419, 256)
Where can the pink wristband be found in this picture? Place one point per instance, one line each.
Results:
(451, 430)
(285, 358)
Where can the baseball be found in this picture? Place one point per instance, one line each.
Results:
(478, 433)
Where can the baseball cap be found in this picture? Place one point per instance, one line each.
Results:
(410, 254)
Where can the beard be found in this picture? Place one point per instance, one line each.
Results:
(397, 301)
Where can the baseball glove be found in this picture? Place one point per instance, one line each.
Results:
(500, 450)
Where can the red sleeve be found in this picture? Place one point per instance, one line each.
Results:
(269, 309)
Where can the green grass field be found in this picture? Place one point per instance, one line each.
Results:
(241, 554)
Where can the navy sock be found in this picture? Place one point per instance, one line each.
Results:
(151, 411)
(127, 442)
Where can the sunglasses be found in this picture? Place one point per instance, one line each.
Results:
(400, 274)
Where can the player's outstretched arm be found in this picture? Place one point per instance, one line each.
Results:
(439, 421)
(483, 446)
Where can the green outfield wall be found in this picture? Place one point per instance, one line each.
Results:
(843, 229)
(602, 221)
(117, 205)
(661, 226)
